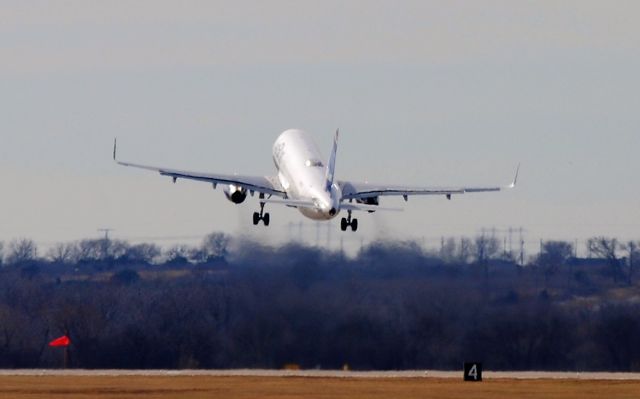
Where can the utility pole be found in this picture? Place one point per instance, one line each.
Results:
(510, 242)
(106, 231)
(504, 247)
(541, 244)
(521, 248)
(300, 231)
(105, 241)
(67, 358)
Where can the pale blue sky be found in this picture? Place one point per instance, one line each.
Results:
(424, 92)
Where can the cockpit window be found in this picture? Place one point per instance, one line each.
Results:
(314, 163)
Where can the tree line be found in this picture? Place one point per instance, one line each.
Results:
(232, 304)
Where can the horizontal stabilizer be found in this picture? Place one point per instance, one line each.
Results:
(368, 208)
(290, 202)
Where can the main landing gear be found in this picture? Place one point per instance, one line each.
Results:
(257, 217)
(346, 222)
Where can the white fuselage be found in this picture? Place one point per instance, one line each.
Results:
(302, 173)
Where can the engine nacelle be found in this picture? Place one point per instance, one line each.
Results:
(368, 200)
(235, 194)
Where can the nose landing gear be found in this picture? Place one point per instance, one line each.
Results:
(257, 217)
(346, 222)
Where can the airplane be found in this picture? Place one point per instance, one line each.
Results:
(304, 182)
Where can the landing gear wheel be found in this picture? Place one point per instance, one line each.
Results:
(346, 222)
(257, 217)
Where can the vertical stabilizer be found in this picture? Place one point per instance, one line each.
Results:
(331, 165)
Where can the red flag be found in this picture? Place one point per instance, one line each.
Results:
(62, 341)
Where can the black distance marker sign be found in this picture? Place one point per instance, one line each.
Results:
(473, 371)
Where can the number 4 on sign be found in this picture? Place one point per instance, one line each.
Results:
(473, 371)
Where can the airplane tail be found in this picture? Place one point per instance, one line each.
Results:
(331, 165)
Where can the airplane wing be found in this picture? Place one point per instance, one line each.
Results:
(355, 190)
(262, 184)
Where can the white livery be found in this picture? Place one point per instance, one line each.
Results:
(304, 182)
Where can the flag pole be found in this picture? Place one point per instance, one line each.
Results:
(65, 342)
(66, 352)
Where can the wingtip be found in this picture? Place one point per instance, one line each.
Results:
(515, 178)
(115, 143)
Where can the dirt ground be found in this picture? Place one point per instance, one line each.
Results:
(142, 387)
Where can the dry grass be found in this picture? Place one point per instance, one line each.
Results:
(142, 387)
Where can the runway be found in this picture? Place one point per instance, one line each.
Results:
(514, 375)
(312, 384)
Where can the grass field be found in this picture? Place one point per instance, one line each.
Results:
(80, 387)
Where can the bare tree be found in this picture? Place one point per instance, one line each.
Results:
(21, 251)
(553, 255)
(143, 253)
(215, 245)
(606, 248)
(486, 247)
(633, 252)
(178, 254)
(62, 253)
(448, 250)
(465, 250)
(101, 249)
(89, 250)
(115, 249)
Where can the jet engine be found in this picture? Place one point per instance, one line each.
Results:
(368, 200)
(235, 194)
